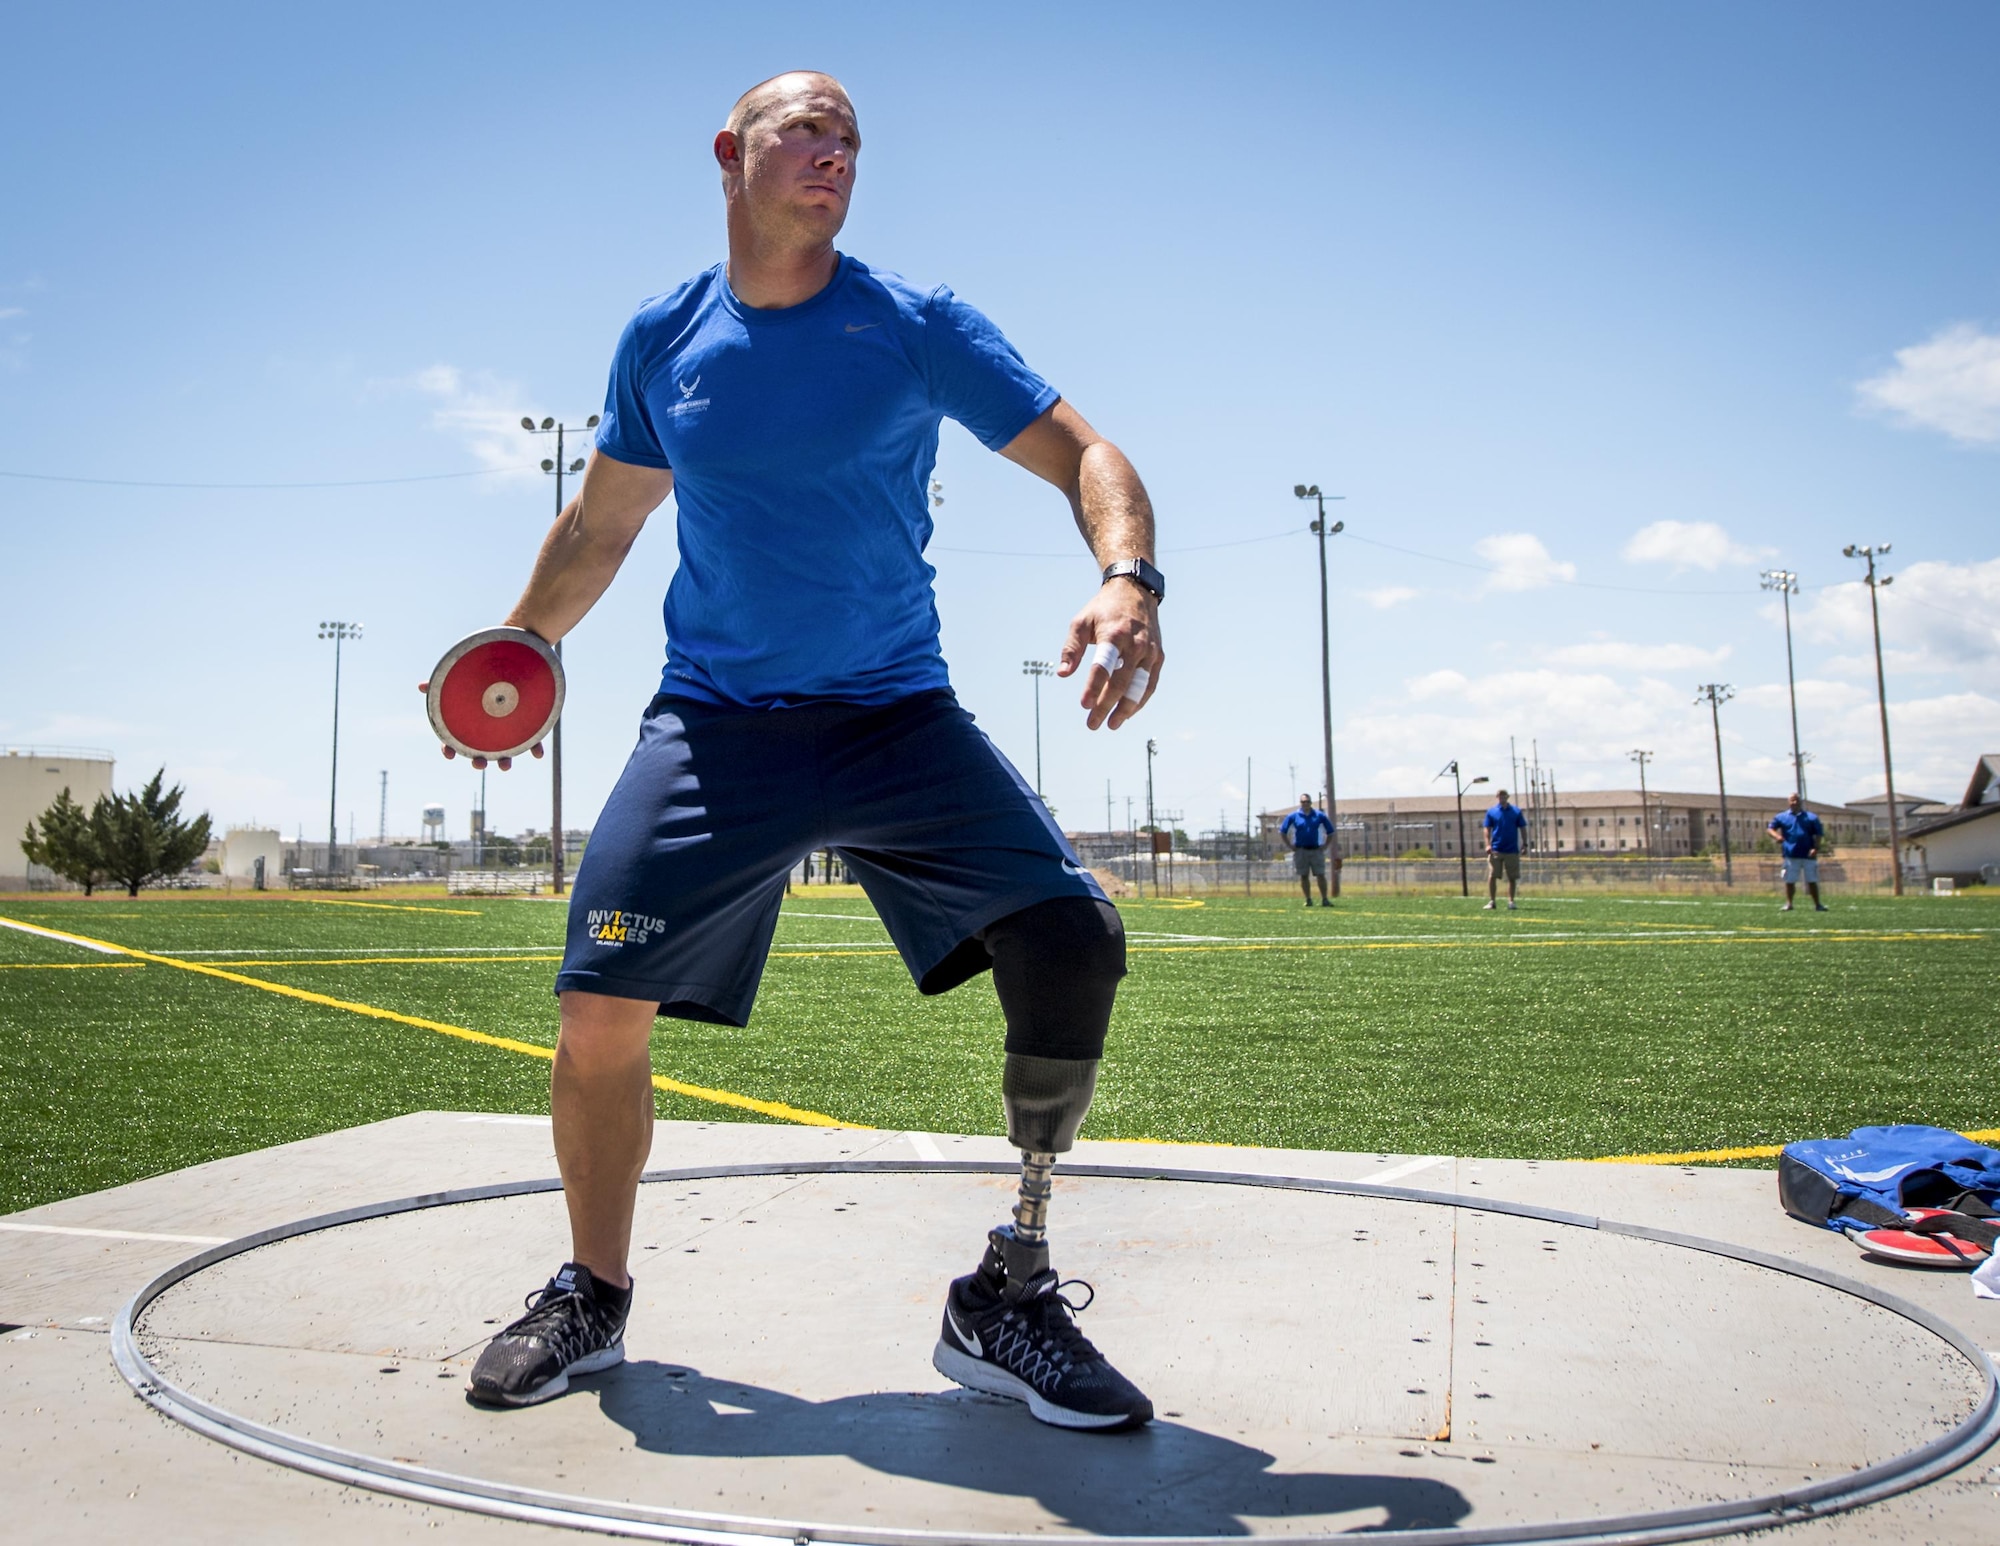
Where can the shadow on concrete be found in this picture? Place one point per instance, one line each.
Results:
(1164, 1479)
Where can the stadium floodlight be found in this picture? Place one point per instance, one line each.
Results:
(1715, 694)
(1645, 806)
(558, 466)
(1152, 827)
(1786, 584)
(1038, 669)
(1875, 582)
(340, 633)
(1323, 531)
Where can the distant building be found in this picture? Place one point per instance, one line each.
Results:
(1910, 809)
(242, 847)
(30, 779)
(1962, 841)
(1588, 822)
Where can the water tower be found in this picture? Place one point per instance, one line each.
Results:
(433, 823)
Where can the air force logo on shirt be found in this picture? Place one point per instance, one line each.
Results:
(689, 403)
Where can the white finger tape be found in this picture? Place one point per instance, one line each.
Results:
(1136, 689)
(1107, 656)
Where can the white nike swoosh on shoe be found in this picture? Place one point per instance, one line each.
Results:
(969, 1338)
(861, 327)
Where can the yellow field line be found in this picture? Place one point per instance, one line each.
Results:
(391, 961)
(68, 966)
(769, 1108)
(1844, 937)
(1757, 1151)
(387, 907)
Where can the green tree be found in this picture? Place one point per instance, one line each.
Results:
(141, 838)
(65, 844)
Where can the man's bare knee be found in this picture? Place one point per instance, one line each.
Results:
(600, 1031)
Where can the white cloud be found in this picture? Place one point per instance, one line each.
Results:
(1614, 655)
(1950, 382)
(1689, 545)
(483, 413)
(1387, 596)
(12, 311)
(1437, 684)
(1936, 617)
(1520, 562)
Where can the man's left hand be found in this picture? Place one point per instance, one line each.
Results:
(1125, 616)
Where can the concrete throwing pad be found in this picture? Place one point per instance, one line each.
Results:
(1325, 1357)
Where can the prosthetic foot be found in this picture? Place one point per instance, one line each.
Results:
(1008, 1328)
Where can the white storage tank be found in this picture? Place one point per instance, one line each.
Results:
(30, 779)
(242, 847)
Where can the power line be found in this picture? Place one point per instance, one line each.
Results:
(427, 477)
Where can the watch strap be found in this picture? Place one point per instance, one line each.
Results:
(1138, 569)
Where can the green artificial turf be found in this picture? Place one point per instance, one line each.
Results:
(1406, 1024)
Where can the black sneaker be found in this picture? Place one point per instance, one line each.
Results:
(576, 1325)
(1014, 1336)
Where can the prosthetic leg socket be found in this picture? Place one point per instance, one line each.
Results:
(1046, 1100)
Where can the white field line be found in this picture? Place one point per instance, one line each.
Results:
(1719, 932)
(113, 1234)
(67, 939)
(925, 1146)
(1407, 1168)
(843, 917)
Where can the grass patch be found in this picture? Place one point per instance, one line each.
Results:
(1572, 1028)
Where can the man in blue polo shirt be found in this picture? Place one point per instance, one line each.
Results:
(789, 399)
(1307, 832)
(1798, 833)
(1503, 850)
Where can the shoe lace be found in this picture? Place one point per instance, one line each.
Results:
(1040, 1339)
(555, 1315)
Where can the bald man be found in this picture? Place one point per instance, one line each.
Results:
(790, 399)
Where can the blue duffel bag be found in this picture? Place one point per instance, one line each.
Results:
(1866, 1180)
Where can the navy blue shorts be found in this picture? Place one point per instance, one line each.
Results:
(677, 895)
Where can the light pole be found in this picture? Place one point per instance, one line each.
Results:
(1715, 694)
(1152, 830)
(1322, 531)
(556, 466)
(1875, 583)
(1038, 669)
(1786, 584)
(339, 633)
(1451, 767)
(1645, 807)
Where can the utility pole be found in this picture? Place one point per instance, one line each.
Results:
(1786, 584)
(1249, 767)
(382, 826)
(1645, 806)
(339, 633)
(557, 466)
(1717, 694)
(1322, 531)
(1038, 669)
(1875, 584)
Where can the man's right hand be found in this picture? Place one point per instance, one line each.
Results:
(504, 763)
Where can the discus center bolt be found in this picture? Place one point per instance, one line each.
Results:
(501, 699)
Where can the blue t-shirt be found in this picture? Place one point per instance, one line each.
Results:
(801, 442)
(1799, 834)
(1504, 824)
(1309, 829)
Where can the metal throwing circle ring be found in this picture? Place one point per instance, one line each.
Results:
(1867, 1485)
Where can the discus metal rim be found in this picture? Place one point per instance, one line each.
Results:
(434, 689)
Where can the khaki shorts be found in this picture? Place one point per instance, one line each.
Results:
(1309, 861)
(1505, 866)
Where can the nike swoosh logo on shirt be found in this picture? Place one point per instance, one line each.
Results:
(969, 1338)
(861, 327)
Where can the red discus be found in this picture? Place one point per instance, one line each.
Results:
(496, 693)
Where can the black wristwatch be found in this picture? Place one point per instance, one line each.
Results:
(1138, 569)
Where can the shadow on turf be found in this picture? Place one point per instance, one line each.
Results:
(1164, 1479)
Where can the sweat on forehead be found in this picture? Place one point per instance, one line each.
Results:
(766, 97)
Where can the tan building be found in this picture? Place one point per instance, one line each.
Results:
(30, 779)
(1963, 840)
(1594, 821)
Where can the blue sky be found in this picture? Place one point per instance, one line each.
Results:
(1590, 312)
